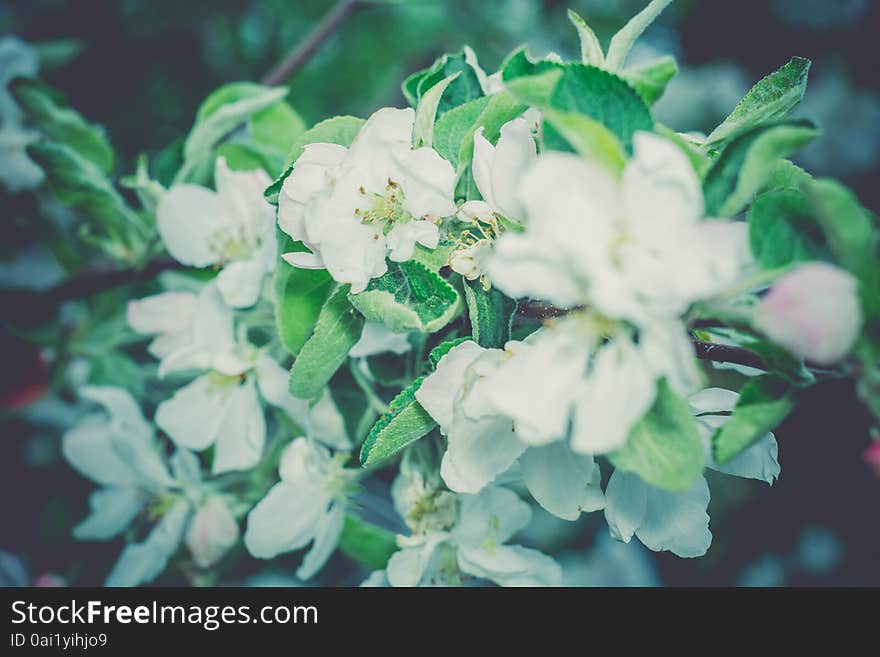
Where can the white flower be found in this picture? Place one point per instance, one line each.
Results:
(307, 505)
(232, 228)
(498, 171)
(635, 249)
(467, 396)
(212, 532)
(678, 522)
(813, 311)
(352, 207)
(17, 171)
(456, 536)
(117, 449)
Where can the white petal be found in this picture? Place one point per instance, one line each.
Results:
(241, 437)
(327, 535)
(428, 182)
(661, 519)
(712, 400)
(310, 176)
(514, 155)
(188, 217)
(112, 510)
(478, 451)
(326, 423)
(439, 390)
(661, 190)
(377, 338)
(241, 195)
(240, 282)
(304, 463)
(402, 239)
(89, 449)
(169, 312)
(481, 166)
(407, 567)
(141, 563)
(510, 565)
(618, 391)
(192, 417)
(535, 386)
(562, 482)
(303, 260)
(490, 517)
(286, 519)
(212, 532)
(386, 128)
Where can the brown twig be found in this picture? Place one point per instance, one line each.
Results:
(303, 51)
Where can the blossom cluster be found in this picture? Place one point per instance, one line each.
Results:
(485, 307)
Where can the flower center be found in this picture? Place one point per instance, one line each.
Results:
(385, 209)
(232, 243)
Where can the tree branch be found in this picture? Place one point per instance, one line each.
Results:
(303, 51)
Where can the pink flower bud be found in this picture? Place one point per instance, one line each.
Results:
(211, 533)
(48, 580)
(872, 456)
(813, 312)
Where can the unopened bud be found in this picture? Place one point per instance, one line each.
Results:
(212, 532)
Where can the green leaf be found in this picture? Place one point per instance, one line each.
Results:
(664, 447)
(444, 348)
(465, 88)
(409, 297)
(337, 329)
(491, 314)
(588, 138)
(771, 99)
(79, 183)
(748, 163)
(115, 368)
(404, 423)
(782, 230)
(623, 41)
(850, 235)
(226, 109)
(763, 403)
(64, 125)
(247, 156)
(339, 130)
(650, 79)
(587, 90)
(276, 126)
(364, 542)
(451, 128)
(591, 50)
(299, 296)
(426, 112)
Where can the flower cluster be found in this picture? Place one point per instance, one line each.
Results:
(495, 298)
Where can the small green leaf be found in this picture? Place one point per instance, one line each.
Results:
(364, 542)
(248, 156)
(339, 130)
(782, 230)
(276, 126)
(465, 88)
(404, 423)
(771, 99)
(337, 329)
(451, 128)
(299, 296)
(409, 297)
(491, 314)
(223, 111)
(850, 236)
(426, 112)
(625, 39)
(763, 403)
(588, 138)
(591, 51)
(64, 125)
(79, 183)
(664, 447)
(650, 79)
(444, 348)
(748, 163)
(587, 90)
